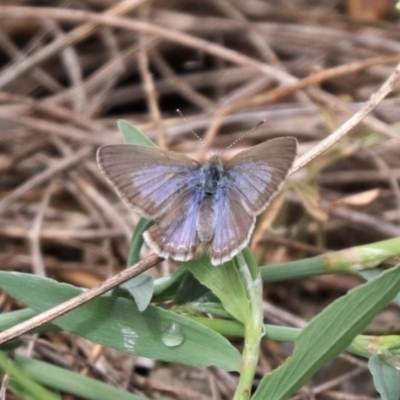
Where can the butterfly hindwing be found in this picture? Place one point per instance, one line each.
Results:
(174, 234)
(233, 227)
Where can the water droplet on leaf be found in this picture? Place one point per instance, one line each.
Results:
(172, 335)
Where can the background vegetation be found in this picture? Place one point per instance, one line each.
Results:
(69, 70)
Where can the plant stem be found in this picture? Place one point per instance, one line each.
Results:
(253, 329)
(350, 260)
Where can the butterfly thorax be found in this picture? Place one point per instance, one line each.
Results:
(212, 176)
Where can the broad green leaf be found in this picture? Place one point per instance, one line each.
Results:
(71, 382)
(386, 378)
(133, 135)
(370, 274)
(329, 334)
(116, 322)
(225, 282)
(15, 317)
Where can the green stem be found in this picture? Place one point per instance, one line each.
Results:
(350, 260)
(253, 329)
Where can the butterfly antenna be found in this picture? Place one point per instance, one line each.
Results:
(203, 143)
(245, 134)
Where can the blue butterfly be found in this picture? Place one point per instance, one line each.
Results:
(213, 206)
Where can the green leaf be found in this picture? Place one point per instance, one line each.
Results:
(141, 289)
(190, 290)
(133, 135)
(15, 317)
(225, 282)
(71, 382)
(370, 274)
(165, 288)
(116, 322)
(137, 241)
(329, 334)
(251, 263)
(386, 378)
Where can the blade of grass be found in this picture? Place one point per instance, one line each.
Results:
(329, 334)
(25, 384)
(71, 382)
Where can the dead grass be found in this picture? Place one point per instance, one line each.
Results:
(70, 71)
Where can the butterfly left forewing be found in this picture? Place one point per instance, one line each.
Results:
(148, 179)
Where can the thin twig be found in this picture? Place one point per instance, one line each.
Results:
(345, 128)
(119, 66)
(283, 91)
(69, 305)
(313, 79)
(178, 83)
(41, 76)
(34, 233)
(149, 89)
(4, 385)
(73, 70)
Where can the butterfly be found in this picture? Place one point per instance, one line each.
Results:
(212, 205)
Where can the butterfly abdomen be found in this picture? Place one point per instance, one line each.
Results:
(211, 183)
(207, 218)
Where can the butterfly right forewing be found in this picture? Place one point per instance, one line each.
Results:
(256, 175)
